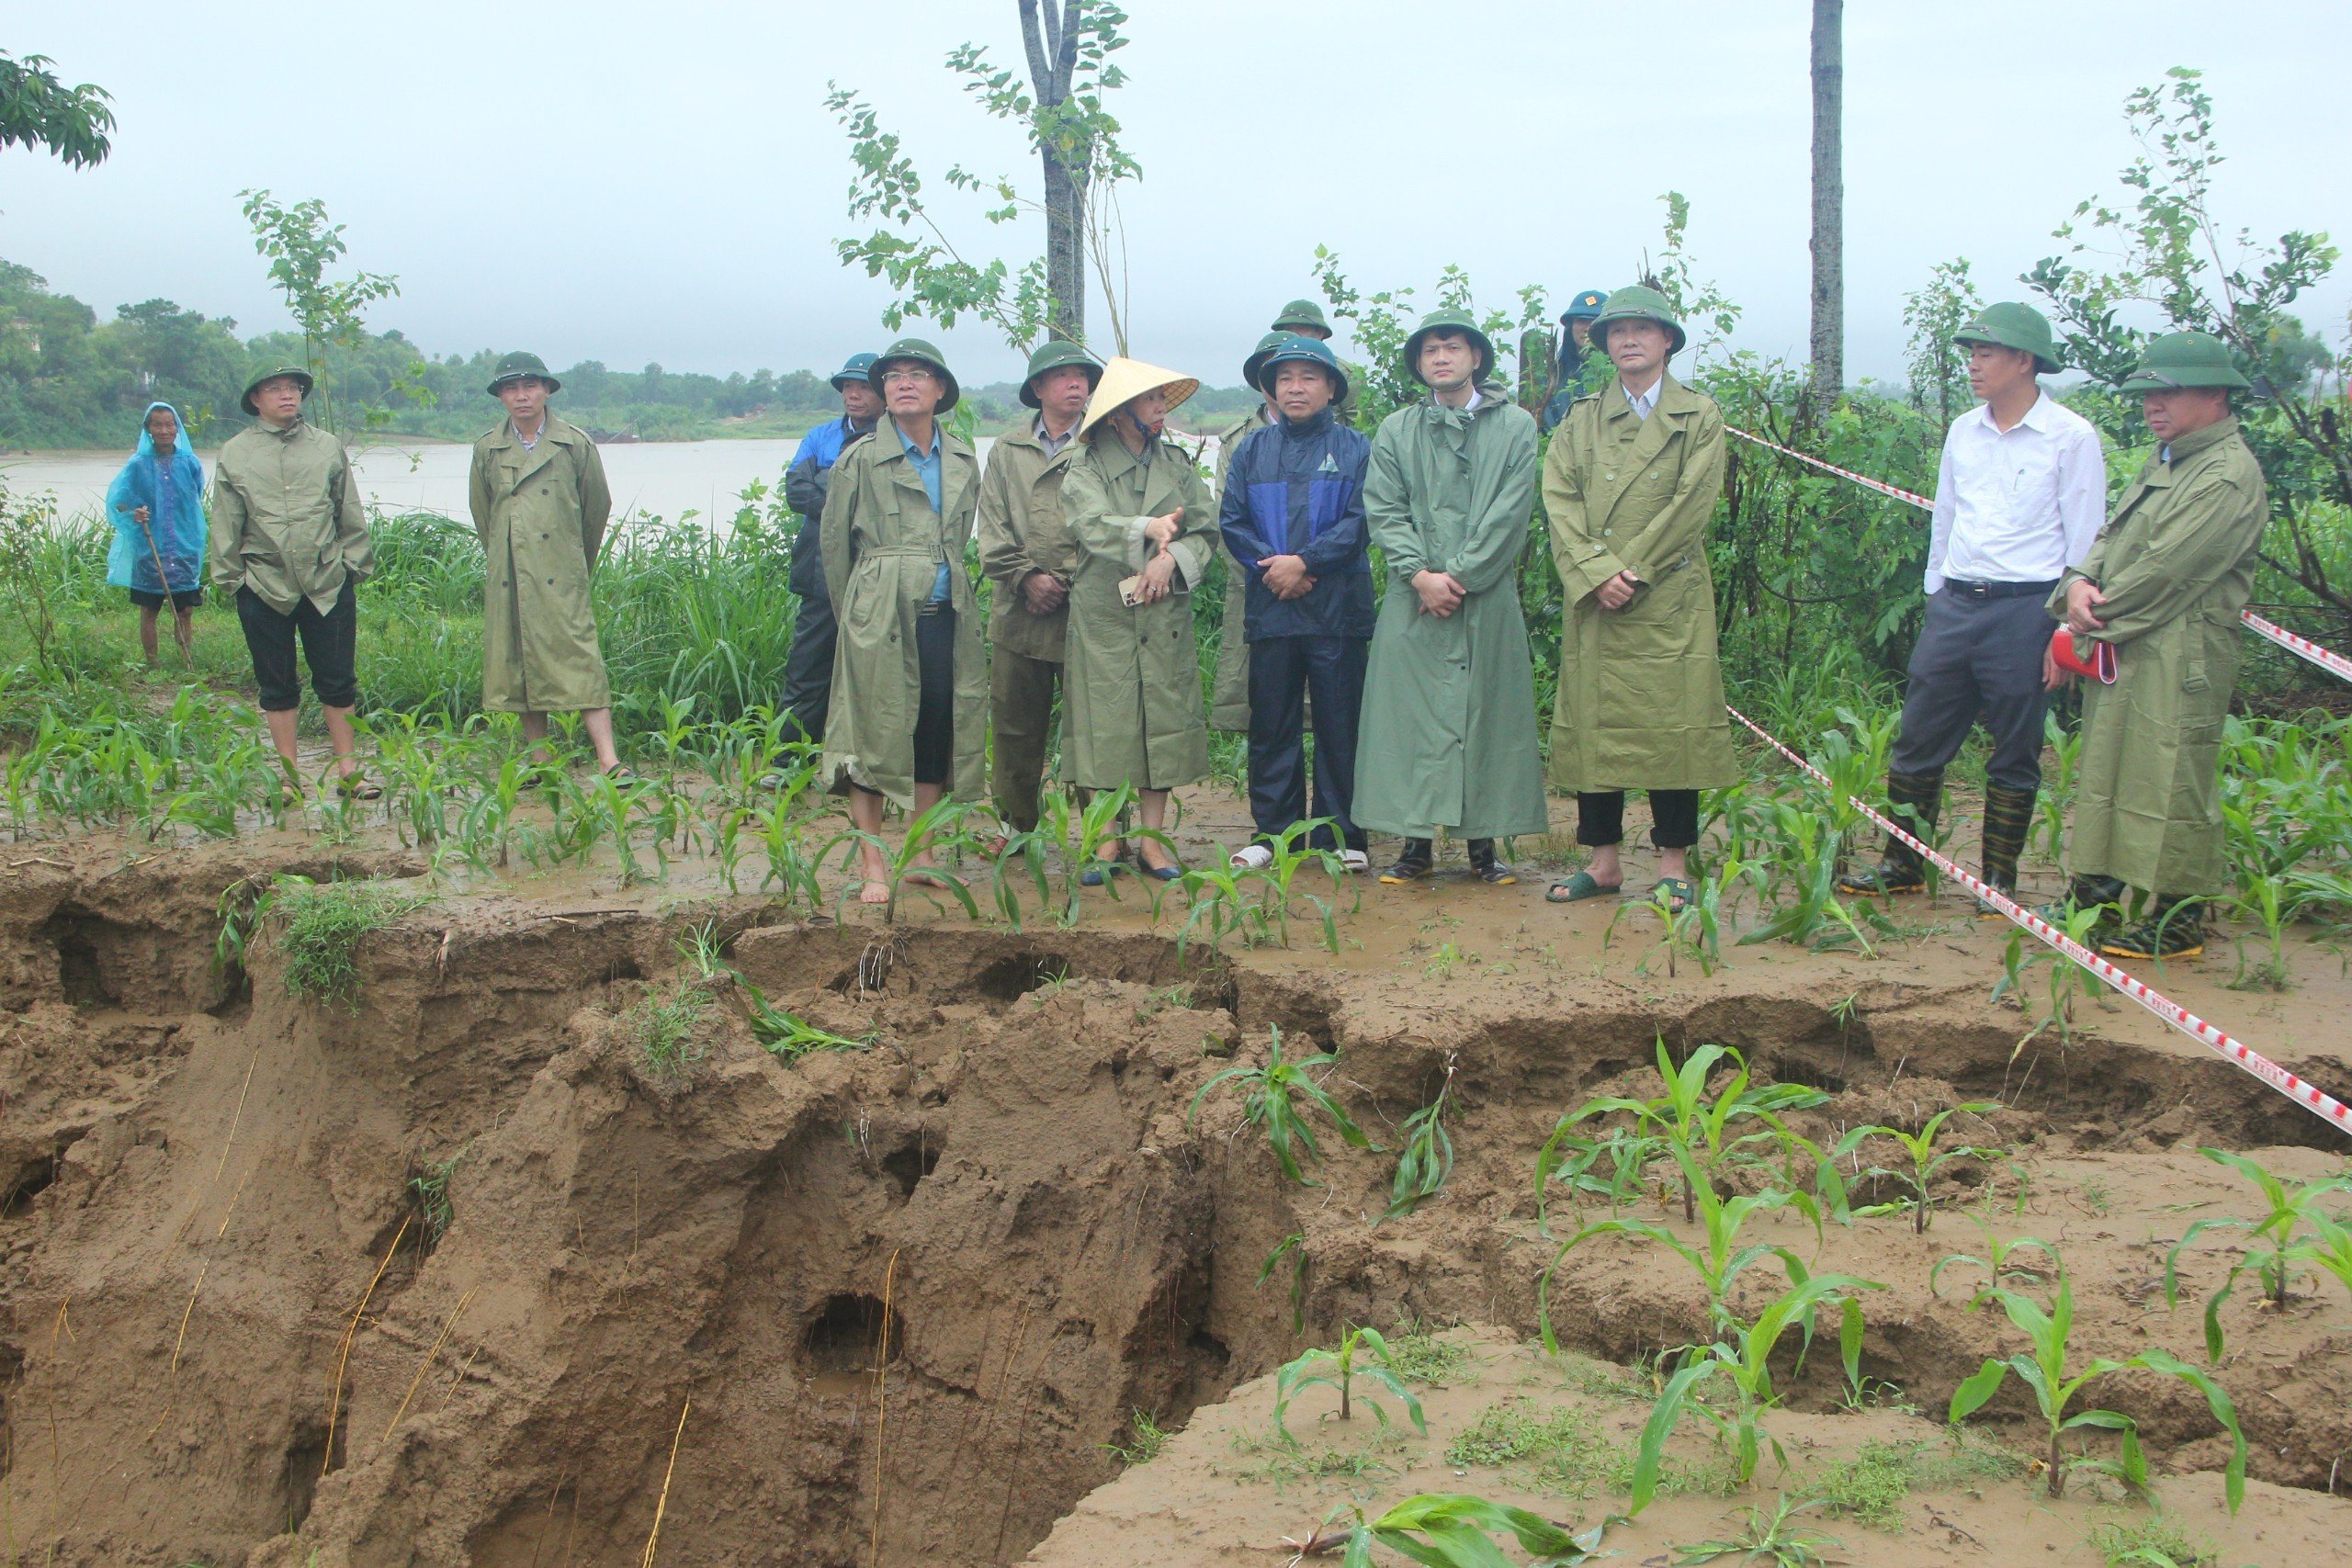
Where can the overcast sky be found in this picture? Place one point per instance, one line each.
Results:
(629, 182)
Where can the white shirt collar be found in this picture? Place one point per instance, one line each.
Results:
(1645, 404)
(2039, 416)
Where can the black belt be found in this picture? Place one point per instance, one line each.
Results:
(1998, 589)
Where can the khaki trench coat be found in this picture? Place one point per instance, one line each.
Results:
(541, 514)
(1641, 696)
(287, 521)
(883, 545)
(2176, 563)
(1131, 680)
(1020, 532)
(1448, 734)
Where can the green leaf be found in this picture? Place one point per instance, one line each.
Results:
(1971, 1396)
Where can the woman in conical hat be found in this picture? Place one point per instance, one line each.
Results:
(1139, 508)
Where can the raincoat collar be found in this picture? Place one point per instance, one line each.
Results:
(180, 448)
(2197, 441)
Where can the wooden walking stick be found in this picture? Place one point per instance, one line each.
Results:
(179, 627)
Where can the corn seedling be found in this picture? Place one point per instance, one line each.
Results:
(2270, 905)
(1995, 1262)
(2057, 795)
(2272, 1237)
(1450, 1530)
(1696, 929)
(1802, 856)
(2328, 1249)
(2065, 980)
(1338, 1370)
(940, 830)
(1686, 1119)
(1718, 1258)
(1612, 1167)
(789, 1038)
(2043, 1369)
(1925, 1160)
(1271, 1101)
(1427, 1157)
(1744, 1362)
(1292, 1247)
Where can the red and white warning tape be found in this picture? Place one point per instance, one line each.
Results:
(2326, 1106)
(2302, 647)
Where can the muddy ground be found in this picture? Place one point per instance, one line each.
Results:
(890, 1306)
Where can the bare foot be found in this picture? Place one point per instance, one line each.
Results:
(872, 892)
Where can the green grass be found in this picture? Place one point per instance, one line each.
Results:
(664, 1026)
(1282, 1464)
(1146, 1437)
(429, 1190)
(1421, 1354)
(319, 927)
(1873, 1485)
(2153, 1542)
(1562, 1450)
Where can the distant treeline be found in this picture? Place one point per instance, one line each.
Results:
(69, 379)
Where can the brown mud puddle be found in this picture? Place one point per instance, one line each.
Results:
(904, 1296)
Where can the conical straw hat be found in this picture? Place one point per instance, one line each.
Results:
(1127, 379)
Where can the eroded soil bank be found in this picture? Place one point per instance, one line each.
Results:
(432, 1279)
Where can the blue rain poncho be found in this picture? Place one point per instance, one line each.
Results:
(172, 489)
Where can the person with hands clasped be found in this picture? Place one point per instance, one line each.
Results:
(2162, 587)
(1292, 514)
(1630, 483)
(1448, 735)
(1136, 507)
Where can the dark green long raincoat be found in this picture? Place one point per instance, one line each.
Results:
(1020, 532)
(1448, 734)
(1640, 695)
(1229, 701)
(1132, 677)
(2176, 561)
(541, 514)
(883, 545)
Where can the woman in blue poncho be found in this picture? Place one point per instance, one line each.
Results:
(157, 505)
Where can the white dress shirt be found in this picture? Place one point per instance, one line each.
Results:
(2017, 505)
(1644, 402)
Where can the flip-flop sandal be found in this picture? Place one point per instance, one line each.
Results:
(1675, 893)
(1579, 887)
(1251, 857)
(352, 787)
(621, 772)
(1354, 861)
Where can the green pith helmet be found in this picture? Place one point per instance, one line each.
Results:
(296, 371)
(922, 353)
(1055, 354)
(854, 368)
(2184, 359)
(1301, 314)
(1635, 303)
(1585, 306)
(1451, 322)
(1266, 345)
(2012, 325)
(517, 365)
(1297, 348)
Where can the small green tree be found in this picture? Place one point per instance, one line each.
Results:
(1937, 367)
(301, 245)
(41, 112)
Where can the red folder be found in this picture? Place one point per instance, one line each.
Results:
(2100, 666)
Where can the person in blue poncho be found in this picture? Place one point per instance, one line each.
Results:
(157, 507)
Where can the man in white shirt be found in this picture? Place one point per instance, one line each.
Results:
(2019, 498)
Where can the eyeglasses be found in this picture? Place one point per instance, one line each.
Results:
(916, 377)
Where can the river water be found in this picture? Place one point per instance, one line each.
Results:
(667, 479)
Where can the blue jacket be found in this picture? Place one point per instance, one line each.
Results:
(1297, 489)
(812, 465)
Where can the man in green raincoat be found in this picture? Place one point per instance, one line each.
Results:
(1448, 735)
(1630, 484)
(540, 504)
(1230, 697)
(907, 720)
(2162, 586)
(290, 545)
(1028, 556)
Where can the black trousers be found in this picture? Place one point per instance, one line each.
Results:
(329, 644)
(1285, 674)
(1674, 817)
(808, 693)
(935, 698)
(1978, 657)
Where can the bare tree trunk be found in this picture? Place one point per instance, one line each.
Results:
(1827, 381)
(1052, 45)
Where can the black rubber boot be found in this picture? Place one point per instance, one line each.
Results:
(2175, 930)
(1412, 864)
(2008, 817)
(1486, 868)
(1914, 800)
(2083, 893)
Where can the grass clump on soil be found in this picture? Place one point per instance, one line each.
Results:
(1563, 1451)
(1769, 1538)
(428, 1191)
(1146, 1437)
(1875, 1483)
(1280, 1462)
(2149, 1543)
(663, 1026)
(1418, 1352)
(319, 926)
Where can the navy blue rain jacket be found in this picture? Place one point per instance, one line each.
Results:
(1298, 489)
